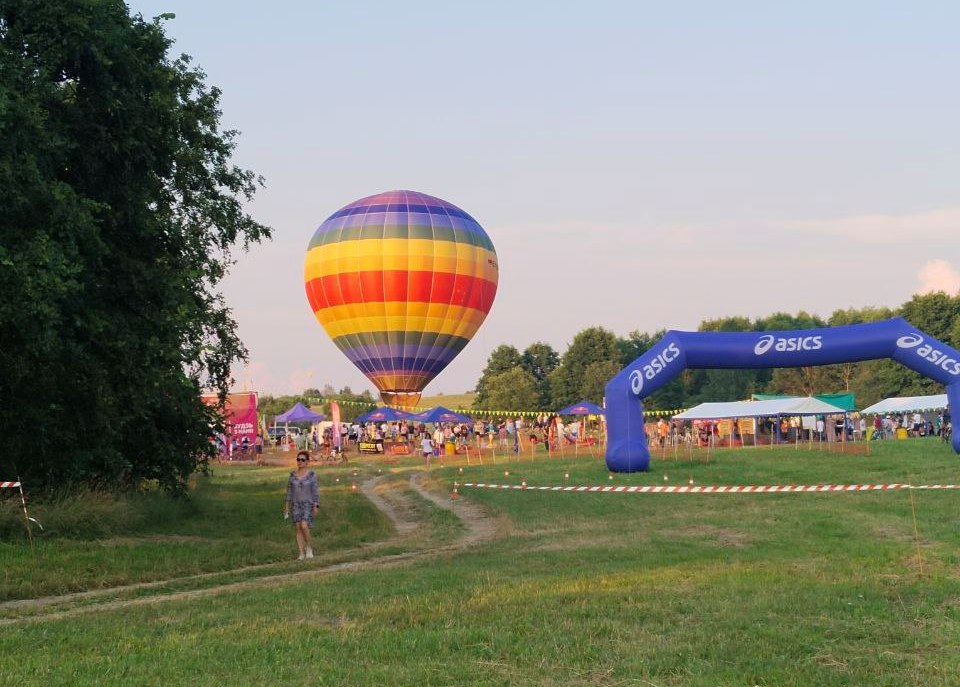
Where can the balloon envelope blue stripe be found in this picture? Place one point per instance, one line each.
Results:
(401, 207)
(401, 365)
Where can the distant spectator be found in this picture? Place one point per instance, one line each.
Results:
(662, 432)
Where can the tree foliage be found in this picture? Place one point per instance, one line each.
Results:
(591, 345)
(511, 390)
(120, 210)
(596, 355)
(503, 358)
(539, 360)
(595, 378)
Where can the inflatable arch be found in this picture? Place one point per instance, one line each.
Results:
(627, 449)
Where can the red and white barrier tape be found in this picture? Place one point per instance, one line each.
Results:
(773, 489)
(9, 485)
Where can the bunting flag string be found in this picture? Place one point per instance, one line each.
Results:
(473, 412)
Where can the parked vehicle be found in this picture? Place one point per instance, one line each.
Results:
(277, 432)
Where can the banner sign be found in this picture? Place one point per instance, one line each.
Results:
(399, 448)
(370, 446)
(335, 417)
(240, 415)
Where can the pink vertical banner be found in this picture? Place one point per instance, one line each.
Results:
(335, 418)
(240, 415)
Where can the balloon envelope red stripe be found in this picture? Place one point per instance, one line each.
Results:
(371, 286)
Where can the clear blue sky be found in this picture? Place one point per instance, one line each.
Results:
(638, 165)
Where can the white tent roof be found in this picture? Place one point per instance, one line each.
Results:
(776, 406)
(907, 404)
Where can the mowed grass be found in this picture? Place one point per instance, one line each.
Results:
(589, 589)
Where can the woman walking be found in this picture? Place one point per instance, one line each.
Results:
(303, 502)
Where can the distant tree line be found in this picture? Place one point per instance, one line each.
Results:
(351, 404)
(539, 378)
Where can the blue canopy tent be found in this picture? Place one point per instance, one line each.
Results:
(441, 414)
(300, 413)
(384, 414)
(582, 408)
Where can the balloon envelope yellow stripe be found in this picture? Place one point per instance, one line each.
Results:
(401, 254)
(343, 320)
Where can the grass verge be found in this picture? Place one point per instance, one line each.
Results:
(588, 589)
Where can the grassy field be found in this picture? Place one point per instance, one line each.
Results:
(578, 589)
(452, 401)
(232, 520)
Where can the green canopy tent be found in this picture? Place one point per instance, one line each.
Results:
(847, 400)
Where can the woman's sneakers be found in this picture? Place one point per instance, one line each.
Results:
(309, 552)
(301, 556)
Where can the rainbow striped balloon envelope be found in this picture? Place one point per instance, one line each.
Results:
(401, 281)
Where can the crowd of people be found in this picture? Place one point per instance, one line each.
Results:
(552, 433)
(913, 425)
(788, 429)
(502, 433)
(239, 448)
(497, 433)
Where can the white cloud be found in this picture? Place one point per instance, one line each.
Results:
(941, 225)
(939, 275)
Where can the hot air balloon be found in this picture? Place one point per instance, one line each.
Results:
(401, 281)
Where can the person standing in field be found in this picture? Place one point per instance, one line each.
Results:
(303, 502)
(426, 446)
(662, 432)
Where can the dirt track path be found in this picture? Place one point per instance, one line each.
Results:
(480, 526)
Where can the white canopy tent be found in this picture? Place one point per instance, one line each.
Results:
(907, 404)
(778, 406)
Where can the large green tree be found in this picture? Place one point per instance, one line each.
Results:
(595, 378)
(934, 313)
(504, 357)
(539, 360)
(591, 345)
(513, 389)
(120, 210)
